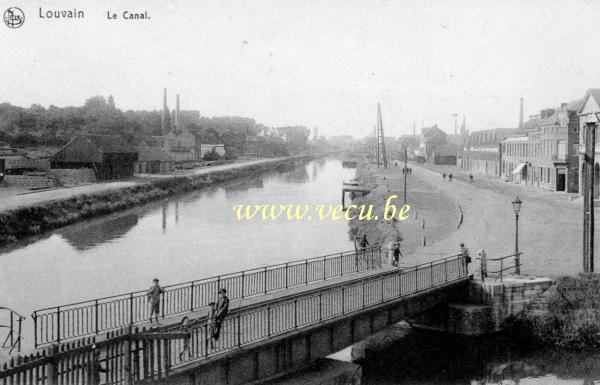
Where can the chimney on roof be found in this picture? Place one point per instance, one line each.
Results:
(164, 111)
(177, 112)
(521, 114)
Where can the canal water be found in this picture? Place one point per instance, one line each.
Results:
(185, 238)
(423, 358)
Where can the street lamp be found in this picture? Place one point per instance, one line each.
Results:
(516, 204)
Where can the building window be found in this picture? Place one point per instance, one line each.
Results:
(562, 149)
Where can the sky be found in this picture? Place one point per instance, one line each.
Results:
(322, 64)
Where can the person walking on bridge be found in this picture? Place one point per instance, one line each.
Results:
(153, 295)
(464, 252)
(363, 242)
(222, 309)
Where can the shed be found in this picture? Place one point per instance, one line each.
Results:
(153, 160)
(107, 155)
(207, 140)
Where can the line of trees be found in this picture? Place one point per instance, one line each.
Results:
(54, 126)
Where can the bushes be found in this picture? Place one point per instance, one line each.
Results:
(572, 320)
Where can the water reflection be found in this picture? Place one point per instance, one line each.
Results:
(433, 358)
(298, 175)
(90, 234)
(184, 238)
(243, 185)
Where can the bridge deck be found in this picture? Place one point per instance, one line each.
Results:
(256, 300)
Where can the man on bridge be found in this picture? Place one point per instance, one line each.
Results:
(153, 295)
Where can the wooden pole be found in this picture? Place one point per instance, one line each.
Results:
(588, 203)
(405, 172)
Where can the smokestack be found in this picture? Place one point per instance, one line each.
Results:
(521, 114)
(177, 112)
(164, 111)
(414, 128)
(463, 130)
(455, 124)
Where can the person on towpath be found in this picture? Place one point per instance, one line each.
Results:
(153, 295)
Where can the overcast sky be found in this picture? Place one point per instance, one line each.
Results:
(321, 63)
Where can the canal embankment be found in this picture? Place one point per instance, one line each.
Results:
(432, 216)
(35, 218)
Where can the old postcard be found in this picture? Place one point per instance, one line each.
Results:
(299, 192)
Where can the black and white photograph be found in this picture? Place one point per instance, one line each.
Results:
(299, 192)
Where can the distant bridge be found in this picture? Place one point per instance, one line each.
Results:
(316, 315)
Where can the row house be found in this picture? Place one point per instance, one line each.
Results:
(545, 152)
(483, 151)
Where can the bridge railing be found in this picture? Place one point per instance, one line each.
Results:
(266, 320)
(137, 355)
(67, 322)
(501, 264)
(13, 327)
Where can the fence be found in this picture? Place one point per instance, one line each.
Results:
(62, 323)
(139, 356)
(504, 265)
(13, 327)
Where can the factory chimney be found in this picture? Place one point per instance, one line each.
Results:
(521, 114)
(164, 112)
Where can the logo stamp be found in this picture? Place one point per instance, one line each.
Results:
(14, 17)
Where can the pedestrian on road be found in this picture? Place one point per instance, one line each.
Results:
(153, 295)
(444, 176)
(464, 252)
(471, 178)
(222, 308)
(397, 255)
(450, 178)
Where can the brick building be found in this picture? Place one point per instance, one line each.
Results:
(544, 152)
(483, 152)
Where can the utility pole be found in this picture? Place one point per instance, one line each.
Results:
(381, 137)
(588, 199)
(405, 172)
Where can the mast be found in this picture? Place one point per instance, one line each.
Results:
(381, 138)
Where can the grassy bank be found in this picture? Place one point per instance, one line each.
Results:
(437, 214)
(25, 222)
(379, 233)
(570, 320)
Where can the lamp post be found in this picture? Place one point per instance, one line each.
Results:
(517, 208)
